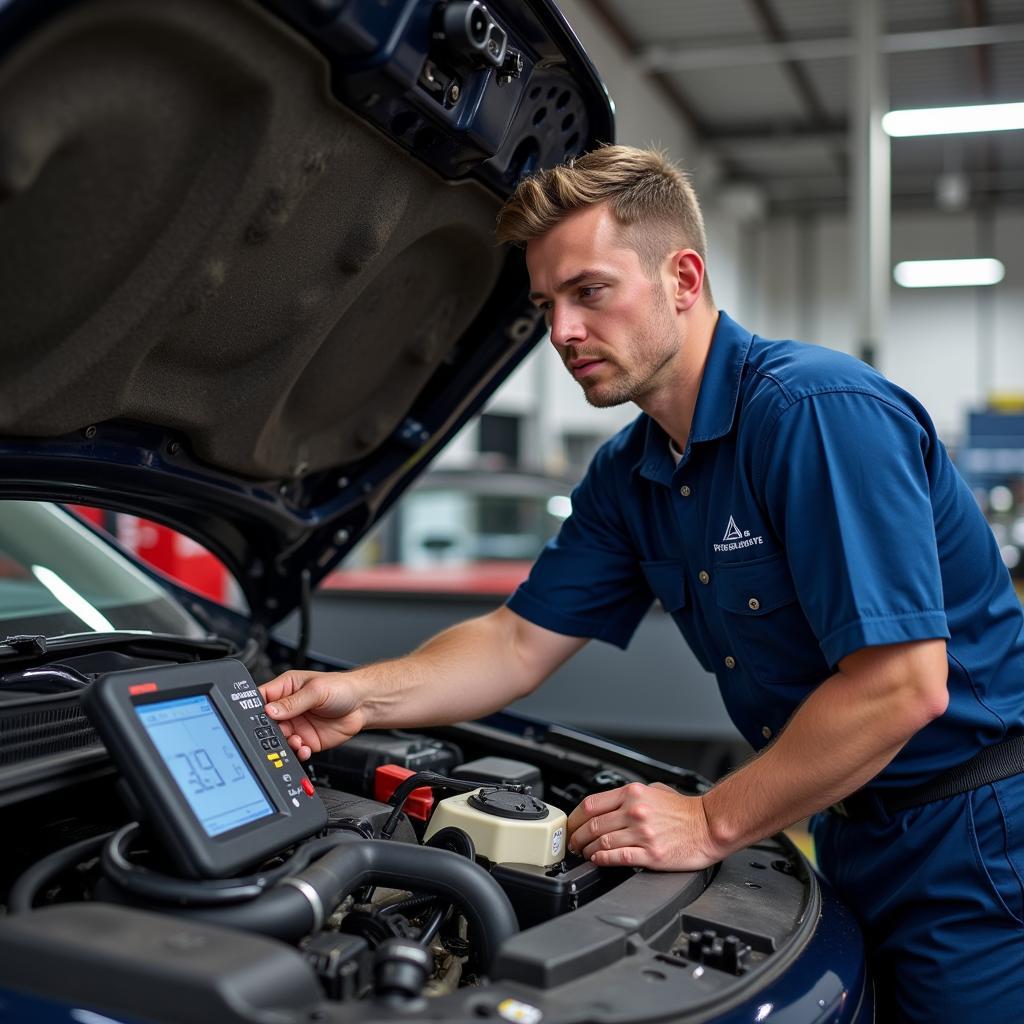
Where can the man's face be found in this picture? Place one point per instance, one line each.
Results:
(611, 324)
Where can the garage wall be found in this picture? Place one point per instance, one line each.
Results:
(952, 347)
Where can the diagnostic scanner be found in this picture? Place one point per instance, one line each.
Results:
(212, 775)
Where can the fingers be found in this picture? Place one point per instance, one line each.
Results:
(587, 832)
(596, 803)
(626, 856)
(294, 693)
(627, 823)
(284, 684)
(642, 826)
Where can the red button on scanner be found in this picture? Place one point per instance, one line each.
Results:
(307, 787)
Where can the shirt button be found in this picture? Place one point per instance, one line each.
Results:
(685, 491)
(766, 732)
(704, 576)
(753, 604)
(730, 661)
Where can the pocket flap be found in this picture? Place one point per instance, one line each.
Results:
(754, 588)
(667, 580)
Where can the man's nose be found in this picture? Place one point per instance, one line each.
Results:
(566, 326)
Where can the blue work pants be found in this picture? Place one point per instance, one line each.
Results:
(939, 892)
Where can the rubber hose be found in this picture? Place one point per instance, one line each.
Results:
(286, 913)
(24, 890)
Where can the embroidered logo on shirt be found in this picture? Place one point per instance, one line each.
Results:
(735, 538)
(733, 532)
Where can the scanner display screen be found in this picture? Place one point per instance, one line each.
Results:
(205, 763)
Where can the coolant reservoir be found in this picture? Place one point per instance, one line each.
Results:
(505, 826)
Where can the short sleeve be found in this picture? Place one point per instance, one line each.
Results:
(846, 486)
(587, 581)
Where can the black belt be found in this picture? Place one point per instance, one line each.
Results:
(991, 764)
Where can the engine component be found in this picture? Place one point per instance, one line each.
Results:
(299, 905)
(501, 771)
(418, 804)
(351, 766)
(367, 817)
(726, 953)
(539, 894)
(505, 826)
(401, 969)
(341, 962)
(375, 927)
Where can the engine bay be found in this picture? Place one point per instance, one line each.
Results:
(433, 878)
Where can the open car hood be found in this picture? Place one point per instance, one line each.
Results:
(248, 281)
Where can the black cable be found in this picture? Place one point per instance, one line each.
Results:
(433, 925)
(459, 841)
(305, 619)
(409, 904)
(28, 884)
(161, 888)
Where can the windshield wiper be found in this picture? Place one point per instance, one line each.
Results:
(28, 643)
(30, 648)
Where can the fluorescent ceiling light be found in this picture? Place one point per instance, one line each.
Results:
(989, 117)
(947, 273)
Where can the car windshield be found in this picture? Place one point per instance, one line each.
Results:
(57, 577)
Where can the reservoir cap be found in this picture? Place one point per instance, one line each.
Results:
(503, 803)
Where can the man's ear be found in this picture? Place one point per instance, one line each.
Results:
(686, 269)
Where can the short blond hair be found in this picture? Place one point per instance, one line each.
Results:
(648, 195)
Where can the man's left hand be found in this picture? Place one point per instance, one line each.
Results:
(645, 827)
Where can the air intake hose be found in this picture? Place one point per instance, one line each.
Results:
(299, 904)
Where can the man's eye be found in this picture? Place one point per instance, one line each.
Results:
(589, 291)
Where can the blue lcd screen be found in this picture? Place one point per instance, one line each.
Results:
(205, 762)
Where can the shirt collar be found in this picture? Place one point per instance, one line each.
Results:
(717, 400)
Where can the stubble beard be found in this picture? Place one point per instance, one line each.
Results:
(657, 346)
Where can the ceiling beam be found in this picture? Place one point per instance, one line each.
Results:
(661, 58)
(832, 133)
(797, 75)
(975, 14)
(667, 88)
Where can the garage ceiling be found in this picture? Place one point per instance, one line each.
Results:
(766, 86)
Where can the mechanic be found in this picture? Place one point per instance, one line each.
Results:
(797, 516)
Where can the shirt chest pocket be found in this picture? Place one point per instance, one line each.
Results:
(764, 625)
(667, 580)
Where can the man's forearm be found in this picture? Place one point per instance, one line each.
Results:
(469, 670)
(841, 737)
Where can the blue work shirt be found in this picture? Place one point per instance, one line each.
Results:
(814, 512)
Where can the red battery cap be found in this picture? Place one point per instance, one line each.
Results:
(388, 777)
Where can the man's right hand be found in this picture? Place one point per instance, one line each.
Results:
(315, 710)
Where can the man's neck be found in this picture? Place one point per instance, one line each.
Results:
(673, 403)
